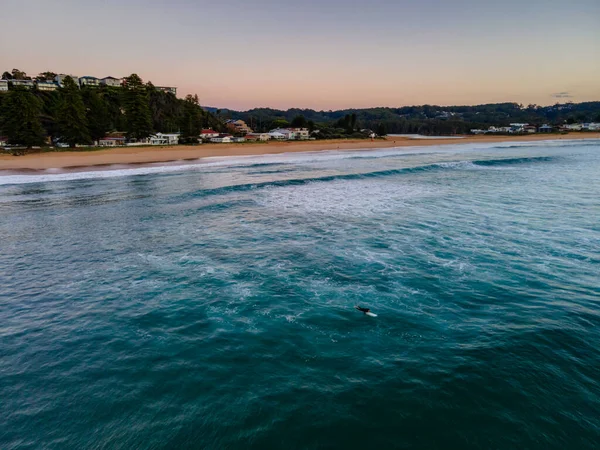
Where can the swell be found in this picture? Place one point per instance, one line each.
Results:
(453, 165)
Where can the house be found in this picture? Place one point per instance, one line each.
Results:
(518, 127)
(111, 81)
(170, 90)
(3, 141)
(300, 133)
(23, 83)
(590, 126)
(477, 131)
(111, 141)
(572, 127)
(277, 136)
(545, 129)
(238, 126)
(46, 85)
(258, 137)
(89, 81)
(164, 139)
(238, 139)
(222, 139)
(3, 85)
(60, 78)
(208, 133)
(287, 133)
(529, 129)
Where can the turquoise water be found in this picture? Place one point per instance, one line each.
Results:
(210, 306)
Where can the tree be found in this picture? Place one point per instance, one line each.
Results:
(353, 121)
(299, 122)
(381, 129)
(19, 75)
(138, 121)
(46, 76)
(311, 126)
(7, 76)
(97, 114)
(71, 118)
(21, 118)
(191, 121)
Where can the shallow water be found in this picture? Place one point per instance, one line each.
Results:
(211, 306)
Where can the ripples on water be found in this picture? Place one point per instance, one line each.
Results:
(211, 306)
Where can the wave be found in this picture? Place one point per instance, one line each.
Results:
(264, 161)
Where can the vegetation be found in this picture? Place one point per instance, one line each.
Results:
(426, 119)
(74, 116)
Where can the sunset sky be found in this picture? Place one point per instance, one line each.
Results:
(321, 54)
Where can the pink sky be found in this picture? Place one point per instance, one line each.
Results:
(319, 54)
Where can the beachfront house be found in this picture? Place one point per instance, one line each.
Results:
(60, 79)
(111, 81)
(545, 129)
(238, 139)
(572, 127)
(89, 81)
(258, 137)
(170, 90)
(3, 141)
(222, 139)
(238, 127)
(208, 134)
(287, 133)
(164, 139)
(22, 83)
(111, 141)
(590, 126)
(276, 135)
(530, 129)
(478, 131)
(3, 85)
(46, 85)
(300, 133)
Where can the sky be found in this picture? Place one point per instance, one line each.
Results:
(320, 54)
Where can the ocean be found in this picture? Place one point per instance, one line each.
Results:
(211, 305)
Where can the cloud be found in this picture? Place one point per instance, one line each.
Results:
(561, 95)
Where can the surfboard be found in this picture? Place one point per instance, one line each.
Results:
(370, 314)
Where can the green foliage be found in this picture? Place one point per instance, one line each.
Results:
(381, 130)
(20, 115)
(138, 121)
(191, 120)
(97, 113)
(71, 115)
(46, 76)
(299, 122)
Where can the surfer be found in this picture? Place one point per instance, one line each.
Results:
(364, 310)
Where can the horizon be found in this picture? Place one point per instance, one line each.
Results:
(321, 55)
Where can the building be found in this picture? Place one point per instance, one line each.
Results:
(170, 90)
(238, 126)
(89, 81)
(277, 136)
(258, 137)
(3, 85)
(60, 78)
(478, 131)
(545, 129)
(46, 85)
(590, 126)
(530, 129)
(23, 83)
(300, 133)
(572, 127)
(164, 139)
(238, 139)
(3, 141)
(111, 81)
(111, 141)
(287, 133)
(222, 139)
(208, 134)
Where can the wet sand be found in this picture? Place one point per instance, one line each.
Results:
(148, 155)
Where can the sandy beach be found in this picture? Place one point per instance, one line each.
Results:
(147, 155)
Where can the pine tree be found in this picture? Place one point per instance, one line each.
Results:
(71, 117)
(97, 113)
(191, 121)
(21, 118)
(138, 120)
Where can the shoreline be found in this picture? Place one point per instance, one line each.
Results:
(140, 156)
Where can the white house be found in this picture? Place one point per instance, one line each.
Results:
(60, 78)
(590, 126)
(89, 81)
(478, 131)
(111, 141)
(23, 83)
(164, 139)
(277, 136)
(208, 134)
(222, 139)
(287, 133)
(300, 133)
(3, 85)
(111, 81)
(47, 85)
(168, 89)
(238, 139)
